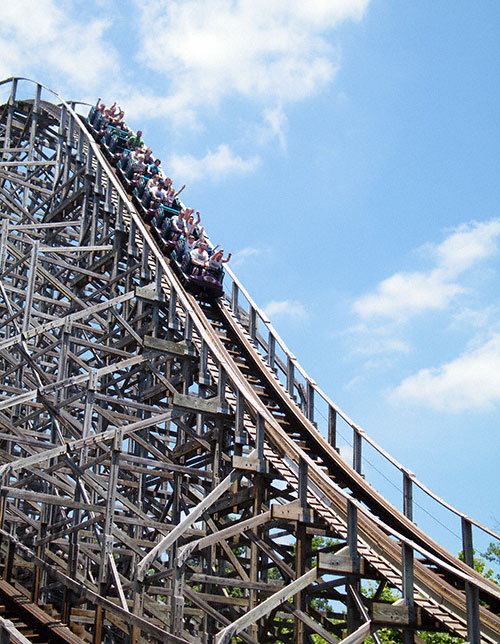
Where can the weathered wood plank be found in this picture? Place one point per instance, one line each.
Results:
(193, 516)
(201, 405)
(225, 635)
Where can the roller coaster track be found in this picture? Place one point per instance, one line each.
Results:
(169, 472)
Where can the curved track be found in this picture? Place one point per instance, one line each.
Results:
(163, 476)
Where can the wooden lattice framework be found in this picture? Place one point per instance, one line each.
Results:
(162, 475)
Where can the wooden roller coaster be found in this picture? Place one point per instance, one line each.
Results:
(169, 473)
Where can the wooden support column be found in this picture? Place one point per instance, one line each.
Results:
(107, 538)
(188, 329)
(173, 325)
(259, 438)
(472, 593)
(240, 434)
(203, 374)
(118, 243)
(177, 585)
(4, 233)
(40, 576)
(135, 631)
(108, 202)
(9, 561)
(254, 554)
(155, 325)
(353, 617)
(30, 292)
(408, 561)
(301, 553)
(221, 386)
(145, 272)
(408, 590)
(72, 565)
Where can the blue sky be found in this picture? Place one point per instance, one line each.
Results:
(346, 152)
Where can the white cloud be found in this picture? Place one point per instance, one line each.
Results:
(10, 59)
(214, 165)
(45, 38)
(471, 381)
(347, 452)
(195, 56)
(467, 245)
(404, 295)
(264, 51)
(240, 257)
(477, 319)
(276, 121)
(288, 308)
(373, 345)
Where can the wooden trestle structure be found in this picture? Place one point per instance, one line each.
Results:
(162, 475)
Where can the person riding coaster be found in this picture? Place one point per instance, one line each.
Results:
(173, 226)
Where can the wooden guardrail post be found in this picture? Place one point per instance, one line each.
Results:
(252, 323)
(310, 401)
(290, 376)
(407, 496)
(234, 299)
(357, 451)
(332, 426)
(271, 350)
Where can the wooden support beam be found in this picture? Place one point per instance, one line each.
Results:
(181, 349)
(225, 533)
(293, 511)
(310, 623)
(179, 530)
(359, 636)
(201, 405)
(225, 635)
(341, 564)
(395, 615)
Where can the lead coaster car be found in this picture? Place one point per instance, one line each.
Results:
(205, 285)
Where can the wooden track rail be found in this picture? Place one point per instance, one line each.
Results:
(165, 473)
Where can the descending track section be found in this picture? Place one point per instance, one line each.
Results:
(164, 477)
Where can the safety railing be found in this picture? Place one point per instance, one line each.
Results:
(348, 438)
